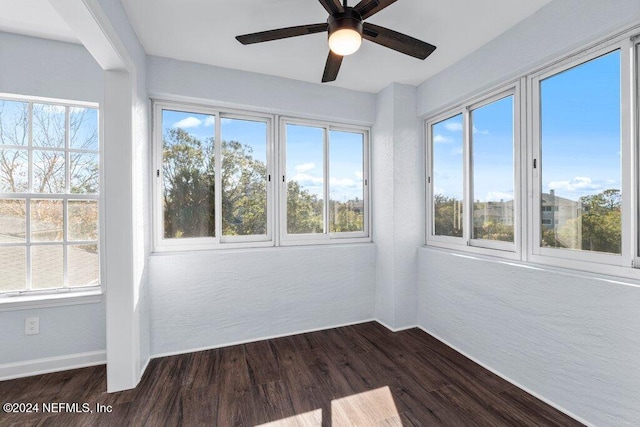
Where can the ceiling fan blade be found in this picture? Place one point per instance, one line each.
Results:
(282, 33)
(397, 41)
(366, 8)
(332, 6)
(332, 67)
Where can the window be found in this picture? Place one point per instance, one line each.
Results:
(215, 180)
(577, 138)
(492, 141)
(324, 163)
(576, 162)
(202, 150)
(472, 174)
(49, 196)
(448, 168)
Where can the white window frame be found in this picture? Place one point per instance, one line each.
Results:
(609, 263)
(287, 239)
(528, 184)
(65, 295)
(162, 244)
(466, 242)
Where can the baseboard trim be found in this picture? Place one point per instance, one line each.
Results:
(288, 334)
(404, 328)
(29, 368)
(506, 378)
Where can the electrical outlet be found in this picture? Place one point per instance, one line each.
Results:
(32, 325)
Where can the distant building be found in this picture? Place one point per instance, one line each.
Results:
(495, 212)
(556, 212)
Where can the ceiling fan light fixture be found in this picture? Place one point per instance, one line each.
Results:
(345, 41)
(345, 32)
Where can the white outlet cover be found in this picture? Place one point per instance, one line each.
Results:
(31, 325)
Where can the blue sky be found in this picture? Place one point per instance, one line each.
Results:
(305, 161)
(305, 158)
(580, 132)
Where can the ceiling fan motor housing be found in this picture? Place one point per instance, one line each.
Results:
(347, 20)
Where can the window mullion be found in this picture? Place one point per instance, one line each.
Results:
(467, 203)
(326, 180)
(628, 156)
(218, 178)
(534, 164)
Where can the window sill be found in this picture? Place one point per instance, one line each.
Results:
(607, 273)
(30, 302)
(245, 249)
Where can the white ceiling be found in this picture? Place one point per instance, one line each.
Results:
(204, 31)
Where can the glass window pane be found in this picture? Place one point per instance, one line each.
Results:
(447, 180)
(48, 172)
(305, 179)
(13, 260)
(47, 267)
(83, 265)
(48, 126)
(244, 177)
(84, 173)
(83, 128)
(14, 123)
(188, 174)
(82, 217)
(492, 142)
(346, 189)
(14, 171)
(46, 221)
(13, 221)
(581, 163)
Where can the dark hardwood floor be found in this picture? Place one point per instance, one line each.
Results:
(356, 375)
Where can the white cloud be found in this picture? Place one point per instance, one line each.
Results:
(441, 139)
(496, 196)
(359, 175)
(189, 122)
(577, 184)
(457, 151)
(342, 182)
(453, 126)
(306, 180)
(210, 121)
(480, 132)
(304, 167)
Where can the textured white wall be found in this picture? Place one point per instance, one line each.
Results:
(223, 86)
(37, 67)
(559, 27)
(215, 298)
(572, 339)
(398, 220)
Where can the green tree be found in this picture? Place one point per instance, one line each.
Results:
(304, 210)
(447, 216)
(189, 189)
(602, 222)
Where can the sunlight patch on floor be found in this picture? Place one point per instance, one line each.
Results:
(371, 408)
(367, 409)
(308, 419)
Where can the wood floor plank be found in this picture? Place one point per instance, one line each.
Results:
(356, 375)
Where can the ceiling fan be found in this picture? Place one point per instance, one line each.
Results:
(346, 29)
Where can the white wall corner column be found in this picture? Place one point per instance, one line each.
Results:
(398, 208)
(103, 28)
(122, 322)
